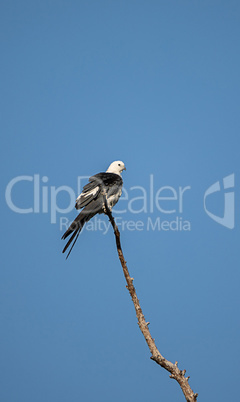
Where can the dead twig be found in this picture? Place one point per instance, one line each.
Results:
(175, 372)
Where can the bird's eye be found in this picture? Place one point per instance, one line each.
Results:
(119, 164)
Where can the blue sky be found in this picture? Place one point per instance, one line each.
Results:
(155, 84)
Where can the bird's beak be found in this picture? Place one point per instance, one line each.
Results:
(124, 168)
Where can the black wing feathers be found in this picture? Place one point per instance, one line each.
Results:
(99, 181)
(102, 179)
(93, 202)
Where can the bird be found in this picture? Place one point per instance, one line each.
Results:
(92, 199)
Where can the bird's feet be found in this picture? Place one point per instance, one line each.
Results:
(105, 210)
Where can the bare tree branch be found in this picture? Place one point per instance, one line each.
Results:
(175, 372)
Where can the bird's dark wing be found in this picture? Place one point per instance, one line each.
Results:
(92, 199)
(97, 183)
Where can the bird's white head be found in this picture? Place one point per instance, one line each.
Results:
(116, 167)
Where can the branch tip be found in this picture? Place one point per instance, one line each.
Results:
(153, 358)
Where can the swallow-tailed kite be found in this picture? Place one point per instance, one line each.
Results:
(91, 199)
